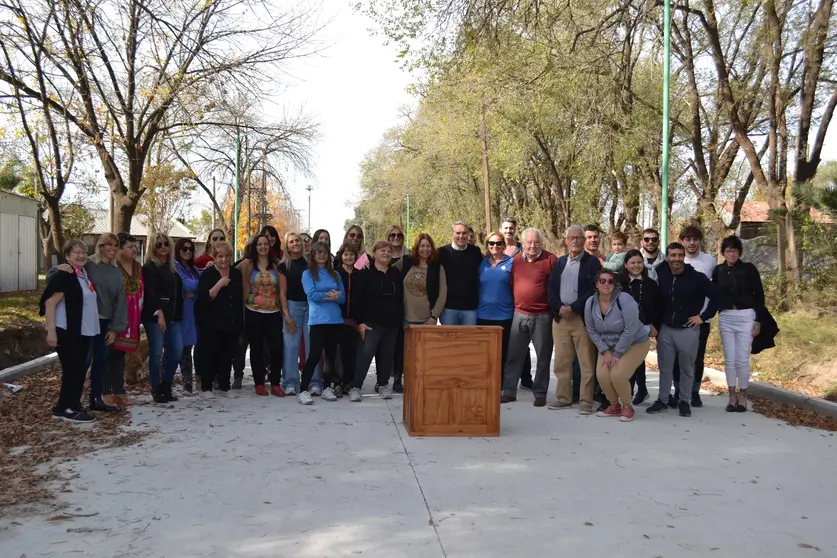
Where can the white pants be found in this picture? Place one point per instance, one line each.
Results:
(736, 328)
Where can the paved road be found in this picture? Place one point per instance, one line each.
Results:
(265, 477)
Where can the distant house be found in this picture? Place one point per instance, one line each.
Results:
(139, 229)
(18, 243)
(755, 216)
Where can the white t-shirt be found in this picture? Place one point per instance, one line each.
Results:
(89, 310)
(704, 263)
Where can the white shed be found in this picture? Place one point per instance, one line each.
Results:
(18, 243)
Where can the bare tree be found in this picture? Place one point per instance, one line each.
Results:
(129, 64)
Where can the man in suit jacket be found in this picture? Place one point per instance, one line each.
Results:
(571, 283)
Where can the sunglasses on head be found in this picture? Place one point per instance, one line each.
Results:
(496, 243)
(651, 239)
(217, 238)
(397, 235)
(163, 243)
(606, 281)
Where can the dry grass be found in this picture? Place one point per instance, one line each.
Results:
(20, 305)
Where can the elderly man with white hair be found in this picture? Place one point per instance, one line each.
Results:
(532, 317)
(572, 282)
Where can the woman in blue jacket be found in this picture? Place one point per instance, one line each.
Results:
(496, 306)
(184, 264)
(324, 289)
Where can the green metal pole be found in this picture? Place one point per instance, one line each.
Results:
(407, 241)
(235, 217)
(666, 79)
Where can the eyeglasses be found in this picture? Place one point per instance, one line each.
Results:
(355, 235)
(188, 249)
(496, 243)
(218, 238)
(397, 235)
(651, 239)
(320, 253)
(606, 281)
(164, 243)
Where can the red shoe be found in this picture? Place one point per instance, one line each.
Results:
(627, 414)
(277, 391)
(261, 390)
(612, 411)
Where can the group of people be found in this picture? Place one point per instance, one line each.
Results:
(314, 319)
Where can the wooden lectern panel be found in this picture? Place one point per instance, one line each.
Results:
(452, 380)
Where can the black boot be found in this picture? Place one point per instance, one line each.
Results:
(167, 392)
(101, 406)
(159, 397)
(397, 386)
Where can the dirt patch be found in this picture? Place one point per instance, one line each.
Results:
(22, 341)
(32, 444)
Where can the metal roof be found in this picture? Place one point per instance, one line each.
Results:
(139, 225)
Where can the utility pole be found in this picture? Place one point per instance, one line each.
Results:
(485, 181)
(666, 80)
(309, 188)
(407, 240)
(264, 218)
(213, 202)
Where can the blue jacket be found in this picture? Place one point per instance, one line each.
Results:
(588, 268)
(321, 312)
(496, 297)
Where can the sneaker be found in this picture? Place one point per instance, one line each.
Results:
(641, 397)
(329, 395)
(673, 399)
(290, 390)
(304, 398)
(78, 417)
(237, 383)
(59, 415)
(585, 411)
(207, 395)
(385, 392)
(355, 396)
(610, 411)
(557, 406)
(261, 390)
(277, 391)
(685, 409)
(397, 387)
(656, 407)
(316, 391)
(627, 414)
(604, 406)
(228, 394)
(696, 402)
(338, 391)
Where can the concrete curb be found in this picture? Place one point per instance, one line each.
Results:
(769, 392)
(12, 372)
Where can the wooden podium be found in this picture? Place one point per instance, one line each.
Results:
(452, 380)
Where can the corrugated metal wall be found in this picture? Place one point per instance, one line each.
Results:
(18, 253)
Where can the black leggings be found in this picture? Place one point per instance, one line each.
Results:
(218, 350)
(72, 353)
(638, 379)
(261, 329)
(323, 338)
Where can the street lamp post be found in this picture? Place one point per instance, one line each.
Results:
(666, 86)
(237, 180)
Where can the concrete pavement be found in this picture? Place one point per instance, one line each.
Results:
(266, 477)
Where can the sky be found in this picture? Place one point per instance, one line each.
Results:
(354, 89)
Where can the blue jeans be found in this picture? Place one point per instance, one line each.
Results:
(458, 317)
(173, 341)
(299, 314)
(99, 355)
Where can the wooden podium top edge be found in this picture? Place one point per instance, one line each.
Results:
(454, 328)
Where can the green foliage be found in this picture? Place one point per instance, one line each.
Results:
(76, 220)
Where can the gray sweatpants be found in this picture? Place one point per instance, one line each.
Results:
(526, 328)
(683, 343)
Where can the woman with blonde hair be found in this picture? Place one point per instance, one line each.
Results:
(162, 314)
(395, 237)
(113, 315)
(215, 235)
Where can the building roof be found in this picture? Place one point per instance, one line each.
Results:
(18, 196)
(139, 225)
(759, 212)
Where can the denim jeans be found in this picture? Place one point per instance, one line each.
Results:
(299, 314)
(458, 317)
(99, 355)
(173, 341)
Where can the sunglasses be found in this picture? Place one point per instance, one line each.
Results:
(217, 238)
(397, 235)
(496, 243)
(606, 281)
(354, 235)
(164, 243)
(188, 249)
(651, 239)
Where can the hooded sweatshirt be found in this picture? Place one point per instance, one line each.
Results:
(619, 328)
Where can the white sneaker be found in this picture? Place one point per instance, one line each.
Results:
(355, 396)
(207, 395)
(304, 398)
(329, 395)
(227, 394)
(385, 392)
(315, 391)
(290, 390)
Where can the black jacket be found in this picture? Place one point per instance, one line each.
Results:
(647, 295)
(739, 286)
(348, 279)
(163, 291)
(378, 297)
(588, 268)
(225, 312)
(684, 295)
(768, 332)
(68, 284)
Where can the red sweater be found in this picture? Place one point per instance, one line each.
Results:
(529, 281)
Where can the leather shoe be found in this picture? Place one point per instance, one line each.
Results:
(507, 399)
(540, 402)
(101, 406)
